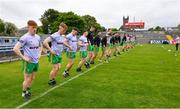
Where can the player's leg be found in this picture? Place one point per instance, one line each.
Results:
(56, 60)
(102, 54)
(26, 85)
(81, 63)
(68, 67)
(108, 51)
(118, 49)
(53, 74)
(93, 55)
(71, 56)
(29, 75)
(88, 59)
(111, 50)
(96, 50)
(35, 67)
(177, 47)
(92, 58)
(106, 55)
(83, 55)
(33, 76)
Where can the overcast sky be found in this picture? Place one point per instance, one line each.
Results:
(108, 13)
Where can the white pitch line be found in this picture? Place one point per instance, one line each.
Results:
(61, 84)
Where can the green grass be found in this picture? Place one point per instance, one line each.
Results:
(147, 76)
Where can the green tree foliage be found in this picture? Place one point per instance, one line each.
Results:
(52, 18)
(2, 27)
(151, 29)
(7, 28)
(71, 19)
(178, 26)
(157, 28)
(47, 19)
(114, 29)
(10, 29)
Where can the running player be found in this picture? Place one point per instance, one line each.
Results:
(116, 44)
(97, 42)
(104, 49)
(83, 43)
(90, 38)
(119, 43)
(32, 47)
(112, 45)
(109, 36)
(177, 42)
(57, 41)
(71, 54)
(123, 43)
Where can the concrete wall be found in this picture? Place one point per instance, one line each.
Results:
(146, 37)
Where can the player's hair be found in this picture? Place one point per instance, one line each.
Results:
(86, 31)
(76, 29)
(32, 23)
(63, 25)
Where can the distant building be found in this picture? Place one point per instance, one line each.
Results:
(173, 30)
(130, 26)
(7, 43)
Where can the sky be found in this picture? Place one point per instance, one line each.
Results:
(109, 13)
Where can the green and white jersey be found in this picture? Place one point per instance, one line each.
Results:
(72, 41)
(84, 41)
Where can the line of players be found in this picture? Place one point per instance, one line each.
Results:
(111, 44)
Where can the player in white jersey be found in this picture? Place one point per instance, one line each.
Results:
(71, 39)
(32, 47)
(57, 45)
(83, 43)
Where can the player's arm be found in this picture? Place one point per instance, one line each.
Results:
(40, 50)
(17, 50)
(46, 44)
(89, 41)
(66, 44)
(80, 43)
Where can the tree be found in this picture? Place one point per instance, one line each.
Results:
(158, 28)
(151, 29)
(71, 19)
(40, 30)
(47, 19)
(114, 29)
(89, 21)
(2, 27)
(178, 26)
(10, 29)
(52, 18)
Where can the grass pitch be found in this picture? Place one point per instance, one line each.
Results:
(147, 76)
